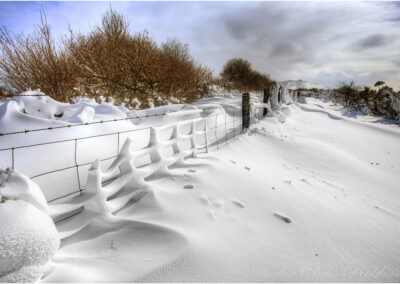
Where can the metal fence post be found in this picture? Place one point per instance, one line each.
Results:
(245, 111)
(205, 133)
(118, 145)
(77, 167)
(234, 127)
(12, 159)
(226, 132)
(216, 129)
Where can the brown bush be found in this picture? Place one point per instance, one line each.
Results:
(124, 66)
(34, 62)
(109, 62)
(237, 73)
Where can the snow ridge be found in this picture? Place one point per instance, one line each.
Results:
(103, 200)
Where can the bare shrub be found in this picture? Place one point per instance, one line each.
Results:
(109, 62)
(35, 62)
(132, 67)
(379, 102)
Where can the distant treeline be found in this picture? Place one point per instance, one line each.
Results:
(111, 62)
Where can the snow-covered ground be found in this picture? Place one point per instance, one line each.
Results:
(309, 194)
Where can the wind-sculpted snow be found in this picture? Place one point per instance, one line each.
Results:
(274, 97)
(300, 197)
(28, 237)
(104, 200)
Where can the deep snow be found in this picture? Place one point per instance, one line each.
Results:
(28, 236)
(308, 194)
(216, 218)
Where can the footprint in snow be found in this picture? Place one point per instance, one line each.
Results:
(212, 215)
(191, 171)
(188, 186)
(238, 203)
(233, 162)
(283, 218)
(218, 203)
(247, 168)
(205, 199)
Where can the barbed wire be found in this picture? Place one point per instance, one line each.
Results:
(35, 95)
(97, 122)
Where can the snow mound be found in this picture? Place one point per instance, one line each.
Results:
(28, 236)
(37, 104)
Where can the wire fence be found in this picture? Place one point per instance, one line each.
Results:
(59, 181)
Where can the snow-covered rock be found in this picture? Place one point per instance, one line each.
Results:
(28, 236)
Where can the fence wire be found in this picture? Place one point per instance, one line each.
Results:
(230, 126)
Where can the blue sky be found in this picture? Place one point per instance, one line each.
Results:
(323, 42)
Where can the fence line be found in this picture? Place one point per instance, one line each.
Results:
(229, 129)
(91, 123)
(77, 165)
(105, 190)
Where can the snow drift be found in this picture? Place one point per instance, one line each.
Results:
(28, 237)
(302, 196)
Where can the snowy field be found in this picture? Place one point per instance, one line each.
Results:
(310, 193)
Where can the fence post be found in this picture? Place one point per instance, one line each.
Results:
(234, 127)
(226, 132)
(280, 94)
(216, 128)
(77, 166)
(267, 94)
(245, 111)
(12, 159)
(118, 145)
(205, 133)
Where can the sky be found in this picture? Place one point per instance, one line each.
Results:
(321, 42)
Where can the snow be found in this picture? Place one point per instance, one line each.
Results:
(28, 237)
(300, 84)
(308, 194)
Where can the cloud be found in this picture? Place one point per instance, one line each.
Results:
(371, 41)
(324, 42)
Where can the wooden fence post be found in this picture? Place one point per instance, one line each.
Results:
(267, 94)
(279, 94)
(245, 111)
